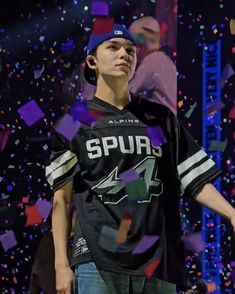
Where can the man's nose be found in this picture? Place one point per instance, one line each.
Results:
(123, 53)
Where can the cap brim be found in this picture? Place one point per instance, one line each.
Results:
(89, 75)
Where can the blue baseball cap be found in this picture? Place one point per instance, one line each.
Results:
(118, 31)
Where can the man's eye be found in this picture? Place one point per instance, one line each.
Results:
(112, 47)
(130, 51)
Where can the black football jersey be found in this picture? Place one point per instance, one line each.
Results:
(97, 156)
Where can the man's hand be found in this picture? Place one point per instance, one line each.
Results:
(64, 279)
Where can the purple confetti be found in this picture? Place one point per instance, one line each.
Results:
(194, 242)
(214, 107)
(8, 240)
(129, 176)
(145, 243)
(44, 207)
(156, 136)
(99, 8)
(38, 72)
(31, 113)
(68, 127)
(80, 113)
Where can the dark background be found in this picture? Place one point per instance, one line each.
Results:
(22, 163)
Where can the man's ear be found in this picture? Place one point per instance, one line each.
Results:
(91, 62)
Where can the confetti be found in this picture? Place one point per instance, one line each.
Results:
(31, 113)
(194, 242)
(226, 74)
(217, 146)
(151, 268)
(232, 113)
(8, 240)
(107, 239)
(123, 230)
(232, 26)
(38, 72)
(100, 8)
(136, 190)
(4, 136)
(156, 136)
(145, 243)
(68, 127)
(44, 207)
(103, 26)
(214, 107)
(80, 113)
(190, 111)
(129, 176)
(33, 215)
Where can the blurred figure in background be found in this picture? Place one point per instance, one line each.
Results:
(166, 14)
(156, 76)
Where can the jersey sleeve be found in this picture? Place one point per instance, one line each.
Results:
(62, 163)
(194, 167)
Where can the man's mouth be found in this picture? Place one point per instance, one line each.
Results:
(124, 65)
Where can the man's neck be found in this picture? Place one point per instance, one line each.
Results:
(116, 94)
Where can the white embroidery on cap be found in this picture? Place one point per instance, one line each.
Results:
(118, 32)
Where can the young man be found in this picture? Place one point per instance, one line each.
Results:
(127, 173)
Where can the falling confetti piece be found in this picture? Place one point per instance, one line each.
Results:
(38, 72)
(4, 136)
(156, 136)
(100, 8)
(151, 268)
(8, 240)
(31, 113)
(217, 146)
(129, 176)
(44, 207)
(103, 26)
(145, 243)
(211, 287)
(232, 113)
(180, 103)
(80, 113)
(190, 111)
(136, 190)
(232, 26)
(194, 242)
(33, 215)
(67, 46)
(226, 74)
(123, 230)
(107, 239)
(214, 107)
(68, 127)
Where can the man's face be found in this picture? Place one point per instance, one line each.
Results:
(116, 58)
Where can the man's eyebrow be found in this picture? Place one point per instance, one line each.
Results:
(129, 43)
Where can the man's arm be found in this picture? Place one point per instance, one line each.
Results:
(60, 230)
(210, 197)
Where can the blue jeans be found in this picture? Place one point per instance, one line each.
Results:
(88, 280)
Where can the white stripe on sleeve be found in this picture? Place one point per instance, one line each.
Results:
(189, 162)
(196, 172)
(59, 161)
(61, 170)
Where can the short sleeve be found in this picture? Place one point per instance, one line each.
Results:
(62, 163)
(195, 168)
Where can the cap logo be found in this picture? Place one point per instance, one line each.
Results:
(118, 32)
